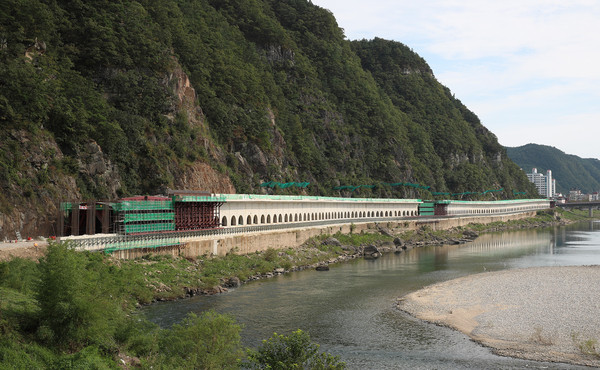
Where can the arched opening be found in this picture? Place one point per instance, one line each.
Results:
(296, 217)
(268, 219)
(240, 220)
(285, 219)
(255, 219)
(249, 220)
(274, 219)
(280, 219)
(262, 219)
(233, 221)
(224, 221)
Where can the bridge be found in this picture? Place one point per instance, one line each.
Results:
(221, 223)
(581, 205)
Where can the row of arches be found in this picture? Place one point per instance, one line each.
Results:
(497, 209)
(315, 216)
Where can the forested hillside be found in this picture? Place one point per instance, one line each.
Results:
(570, 171)
(102, 99)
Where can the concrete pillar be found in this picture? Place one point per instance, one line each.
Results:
(591, 211)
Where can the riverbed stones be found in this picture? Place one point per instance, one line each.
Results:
(371, 251)
(331, 241)
(540, 313)
(233, 282)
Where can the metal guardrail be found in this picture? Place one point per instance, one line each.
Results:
(157, 240)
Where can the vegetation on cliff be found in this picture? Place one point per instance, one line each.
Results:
(103, 99)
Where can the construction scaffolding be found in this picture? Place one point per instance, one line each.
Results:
(141, 216)
(79, 218)
(196, 213)
(179, 211)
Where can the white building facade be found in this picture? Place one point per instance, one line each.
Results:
(545, 184)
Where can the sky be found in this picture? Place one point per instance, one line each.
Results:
(529, 69)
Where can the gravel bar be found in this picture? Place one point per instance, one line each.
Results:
(542, 313)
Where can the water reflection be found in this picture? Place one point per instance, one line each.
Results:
(350, 310)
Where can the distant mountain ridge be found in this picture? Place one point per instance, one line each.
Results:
(570, 171)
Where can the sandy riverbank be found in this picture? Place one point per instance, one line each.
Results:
(542, 313)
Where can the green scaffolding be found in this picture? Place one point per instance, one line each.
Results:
(145, 216)
(275, 184)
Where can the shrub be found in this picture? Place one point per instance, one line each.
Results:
(208, 341)
(295, 351)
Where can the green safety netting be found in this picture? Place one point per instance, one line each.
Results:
(469, 192)
(143, 205)
(409, 184)
(273, 184)
(493, 191)
(519, 192)
(352, 188)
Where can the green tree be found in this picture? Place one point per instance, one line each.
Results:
(295, 351)
(208, 341)
(77, 305)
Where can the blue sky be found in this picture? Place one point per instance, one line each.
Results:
(529, 69)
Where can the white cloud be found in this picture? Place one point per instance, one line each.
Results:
(515, 63)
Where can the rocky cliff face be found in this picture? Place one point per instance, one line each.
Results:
(31, 200)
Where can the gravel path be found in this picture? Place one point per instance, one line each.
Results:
(542, 313)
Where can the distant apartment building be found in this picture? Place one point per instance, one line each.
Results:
(595, 196)
(545, 184)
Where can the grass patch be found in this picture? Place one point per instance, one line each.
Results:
(588, 347)
(361, 239)
(538, 338)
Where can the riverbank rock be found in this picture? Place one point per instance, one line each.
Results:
(470, 234)
(350, 249)
(387, 247)
(371, 251)
(233, 282)
(322, 268)
(384, 230)
(331, 241)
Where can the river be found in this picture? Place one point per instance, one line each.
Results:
(350, 309)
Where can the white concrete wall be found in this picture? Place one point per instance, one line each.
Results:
(252, 210)
(490, 208)
(243, 209)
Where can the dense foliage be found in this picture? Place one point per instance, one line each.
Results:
(280, 95)
(75, 310)
(294, 351)
(570, 171)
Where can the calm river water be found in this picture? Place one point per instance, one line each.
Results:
(350, 310)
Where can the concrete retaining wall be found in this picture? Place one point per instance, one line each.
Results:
(220, 245)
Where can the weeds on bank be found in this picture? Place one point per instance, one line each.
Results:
(357, 240)
(587, 347)
(538, 338)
